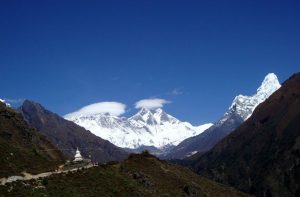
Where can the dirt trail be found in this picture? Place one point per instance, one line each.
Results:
(27, 176)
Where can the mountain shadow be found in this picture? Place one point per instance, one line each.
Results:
(67, 136)
(22, 148)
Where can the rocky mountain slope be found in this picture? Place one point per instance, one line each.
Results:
(146, 128)
(22, 148)
(262, 156)
(3, 101)
(67, 136)
(240, 110)
(139, 175)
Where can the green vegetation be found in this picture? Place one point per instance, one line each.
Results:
(22, 148)
(139, 175)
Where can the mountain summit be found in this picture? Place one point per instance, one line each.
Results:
(148, 127)
(262, 155)
(240, 110)
(244, 106)
(153, 117)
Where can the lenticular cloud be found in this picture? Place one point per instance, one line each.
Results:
(113, 108)
(151, 103)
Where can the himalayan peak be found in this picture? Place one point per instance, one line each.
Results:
(148, 127)
(245, 105)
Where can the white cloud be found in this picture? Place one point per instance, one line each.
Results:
(113, 108)
(151, 103)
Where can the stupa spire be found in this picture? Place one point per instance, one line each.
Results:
(78, 156)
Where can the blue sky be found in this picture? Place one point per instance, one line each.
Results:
(196, 54)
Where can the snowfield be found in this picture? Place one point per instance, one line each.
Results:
(146, 128)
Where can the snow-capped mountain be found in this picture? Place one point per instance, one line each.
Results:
(240, 110)
(3, 101)
(149, 127)
(244, 106)
(156, 128)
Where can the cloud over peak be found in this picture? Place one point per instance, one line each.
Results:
(113, 108)
(151, 103)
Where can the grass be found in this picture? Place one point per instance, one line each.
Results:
(139, 175)
(22, 148)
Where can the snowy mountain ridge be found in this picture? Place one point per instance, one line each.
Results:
(245, 105)
(3, 101)
(149, 127)
(240, 110)
(154, 127)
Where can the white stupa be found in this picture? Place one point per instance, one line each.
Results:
(78, 156)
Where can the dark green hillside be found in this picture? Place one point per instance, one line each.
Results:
(139, 175)
(22, 148)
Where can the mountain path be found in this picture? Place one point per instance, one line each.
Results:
(28, 176)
